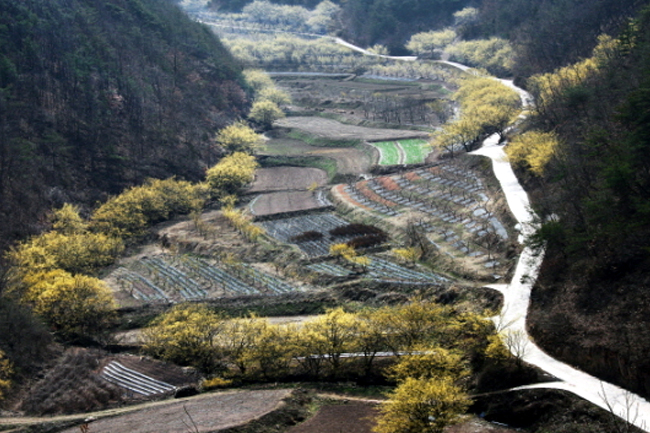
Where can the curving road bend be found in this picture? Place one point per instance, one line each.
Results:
(628, 406)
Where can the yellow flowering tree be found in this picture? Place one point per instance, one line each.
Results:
(187, 335)
(231, 173)
(422, 406)
(130, 213)
(239, 137)
(264, 112)
(74, 305)
(533, 150)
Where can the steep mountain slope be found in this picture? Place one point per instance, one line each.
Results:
(592, 305)
(547, 34)
(95, 96)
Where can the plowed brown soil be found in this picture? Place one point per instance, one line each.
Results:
(332, 129)
(210, 414)
(352, 417)
(280, 202)
(287, 178)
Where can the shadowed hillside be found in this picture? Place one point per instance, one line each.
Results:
(95, 96)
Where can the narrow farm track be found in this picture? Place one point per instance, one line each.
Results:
(630, 407)
(401, 153)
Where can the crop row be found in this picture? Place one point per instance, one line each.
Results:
(133, 380)
(139, 287)
(357, 198)
(316, 242)
(284, 229)
(290, 230)
(453, 201)
(382, 270)
(330, 269)
(185, 277)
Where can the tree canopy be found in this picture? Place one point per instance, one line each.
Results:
(231, 173)
(429, 42)
(422, 406)
(185, 335)
(238, 137)
(533, 149)
(264, 112)
(74, 305)
(486, 107)
(98, 96)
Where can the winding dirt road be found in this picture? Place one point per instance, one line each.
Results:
(628, 406)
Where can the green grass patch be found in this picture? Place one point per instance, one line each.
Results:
(416, 150)
(327, 164)
(388, 151)
(313, 140)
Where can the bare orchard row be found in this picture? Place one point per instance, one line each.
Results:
(176, 278)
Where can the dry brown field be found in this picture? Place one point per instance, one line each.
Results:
(287, 178)
(288, 201)
(351, 417)
(334, 130)
(208, 413)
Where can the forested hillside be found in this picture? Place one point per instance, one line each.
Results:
(386, 22)
(95, 96)
(591, 306)
(548, 34)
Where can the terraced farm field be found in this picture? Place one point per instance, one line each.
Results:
(207, 413)
(288, 201)
(380, 269)
(349, 160)
(384, 271)
(416, 151)
(176, 278)
(286, 228)
(334, 130)
(413, 151)
(449, 204)
(287, 178)
(351, 417)
(390, 153)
